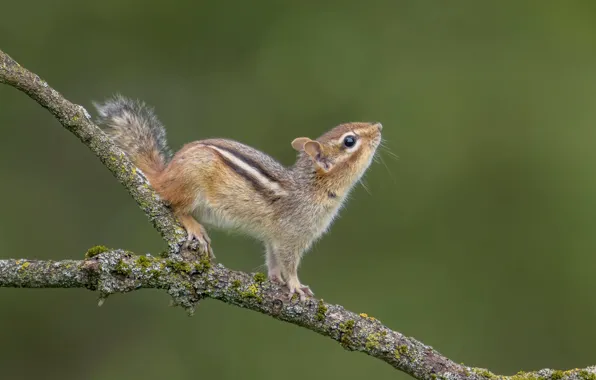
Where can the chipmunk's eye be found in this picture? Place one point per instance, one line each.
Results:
(350, 141)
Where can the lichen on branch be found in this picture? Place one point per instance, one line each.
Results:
(109, 271)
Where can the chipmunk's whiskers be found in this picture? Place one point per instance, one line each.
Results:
(365, 186)
(388, 170)
(386, 149)
(379, 158)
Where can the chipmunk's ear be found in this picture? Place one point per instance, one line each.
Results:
(315, 151)
(313, 148)
(298, 143)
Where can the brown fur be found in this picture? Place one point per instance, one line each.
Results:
(226, 184)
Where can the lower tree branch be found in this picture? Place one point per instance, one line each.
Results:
(118, 271)
(188, 279)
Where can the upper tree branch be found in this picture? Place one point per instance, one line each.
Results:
(77, 120)
(187, 281)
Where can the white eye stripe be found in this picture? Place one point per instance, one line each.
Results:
(341, 139)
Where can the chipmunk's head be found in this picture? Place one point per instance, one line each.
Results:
(344, 153)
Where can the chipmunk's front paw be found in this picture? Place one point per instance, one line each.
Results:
(301, 290)
(274, 276)
(276, 279)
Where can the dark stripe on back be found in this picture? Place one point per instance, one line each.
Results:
(266, 193)
(249, 161)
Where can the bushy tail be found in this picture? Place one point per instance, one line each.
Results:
(137, 131)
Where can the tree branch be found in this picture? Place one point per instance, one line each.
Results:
(77, 120)
(188, 279)
(117, 271)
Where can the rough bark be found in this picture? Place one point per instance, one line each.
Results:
(188, 279)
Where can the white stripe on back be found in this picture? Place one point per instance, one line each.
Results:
(264, 181)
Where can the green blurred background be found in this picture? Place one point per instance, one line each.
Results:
(479, 240)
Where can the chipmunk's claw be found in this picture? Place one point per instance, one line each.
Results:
(203, 240)
(196, 231)
(303, 291)
(307, 291)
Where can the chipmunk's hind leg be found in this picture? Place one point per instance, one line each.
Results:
(182, 184)
(196, 231)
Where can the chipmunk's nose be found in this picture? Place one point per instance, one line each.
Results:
(379, 125)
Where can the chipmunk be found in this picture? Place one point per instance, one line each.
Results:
(226, 184)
